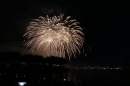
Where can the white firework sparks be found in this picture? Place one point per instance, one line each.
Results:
(54, 36)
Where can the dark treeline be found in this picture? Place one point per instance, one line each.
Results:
(14, 62)
(33, 69)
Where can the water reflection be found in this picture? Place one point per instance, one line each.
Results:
(94, 77)
(89, 76)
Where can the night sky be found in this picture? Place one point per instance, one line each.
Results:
(105, 23)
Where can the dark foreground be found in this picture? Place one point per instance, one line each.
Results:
(68, 78)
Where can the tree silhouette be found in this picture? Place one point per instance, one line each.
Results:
(56, 60)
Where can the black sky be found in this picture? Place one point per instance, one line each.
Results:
(105, 23)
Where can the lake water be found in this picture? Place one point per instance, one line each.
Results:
(96, 77)
(92, 77)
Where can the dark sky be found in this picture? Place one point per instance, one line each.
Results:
(105, 23)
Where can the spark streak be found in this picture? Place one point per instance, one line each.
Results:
(54, 36)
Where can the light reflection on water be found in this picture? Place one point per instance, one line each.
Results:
(93, 76)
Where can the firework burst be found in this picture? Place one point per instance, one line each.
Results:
(54, 36)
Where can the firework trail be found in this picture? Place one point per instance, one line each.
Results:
(54, 36)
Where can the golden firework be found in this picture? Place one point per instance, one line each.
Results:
(54, 36)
